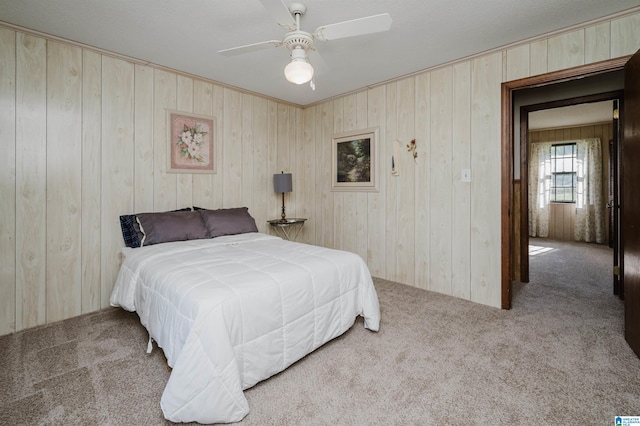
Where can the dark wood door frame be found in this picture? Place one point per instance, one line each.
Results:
(508, 89)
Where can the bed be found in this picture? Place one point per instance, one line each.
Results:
(234, 310)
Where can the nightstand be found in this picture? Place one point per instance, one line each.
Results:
(288, 228)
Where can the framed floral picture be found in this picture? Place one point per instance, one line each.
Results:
(355, 161)
(190, 142)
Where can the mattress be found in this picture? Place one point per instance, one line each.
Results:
(231, 311)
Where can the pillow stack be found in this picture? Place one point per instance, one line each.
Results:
(144, 229)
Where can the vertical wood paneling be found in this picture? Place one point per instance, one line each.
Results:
(376, 251)
(423, 184)
(8, 181)
(31, 174)
(625, 35)
(597, 40)
(184, 102)
(217, 180)
(324, 135)
(262, 176)
(117, 163)
(64, 173)
(286, 151)
(569, 222)
(405, 249)
(164, 98)
(518, 59)
(295, 150)
(485, 183)
(143, 160)
(319, 171)
(346, 229)
(362, 198)
(566, 50)
(91, 179)
(350, 211)
(538, 63)
(274, 200)
(562, 221)
(461, 218)
(248, 178)
(391, 202)
(362, 104)
(232, 149)
(203, 104)
(587, 132)
(306, 169)
(339, 218)
(441, 180)
(283, 140)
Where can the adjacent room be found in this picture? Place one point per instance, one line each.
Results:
(374, 148)
(571, 155)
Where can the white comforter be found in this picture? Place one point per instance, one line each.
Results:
(232, 311)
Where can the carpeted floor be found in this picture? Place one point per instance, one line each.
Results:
(558, 357)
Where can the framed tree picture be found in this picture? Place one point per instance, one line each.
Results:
(355, 161)
(190, 143)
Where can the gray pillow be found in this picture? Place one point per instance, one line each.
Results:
(131, 229)
(228, 221)
(170, 226)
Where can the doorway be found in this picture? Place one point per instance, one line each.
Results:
(556, 219)
(511, 126)
(571, 174)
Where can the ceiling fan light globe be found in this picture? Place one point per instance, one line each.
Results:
(298, 71)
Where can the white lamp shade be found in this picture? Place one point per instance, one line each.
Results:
(298, 71)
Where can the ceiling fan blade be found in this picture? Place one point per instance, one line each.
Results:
(248, 48)
(280, 12)
(354, 27)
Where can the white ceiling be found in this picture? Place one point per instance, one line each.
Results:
(575, 115)
(185, 35)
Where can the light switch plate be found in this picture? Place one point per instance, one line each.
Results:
(465, 176)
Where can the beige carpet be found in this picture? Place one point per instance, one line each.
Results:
(558, 357)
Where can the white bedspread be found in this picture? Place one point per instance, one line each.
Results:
(232, 311)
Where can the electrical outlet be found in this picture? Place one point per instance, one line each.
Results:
(465, 176)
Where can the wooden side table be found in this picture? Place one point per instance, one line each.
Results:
(288, 228)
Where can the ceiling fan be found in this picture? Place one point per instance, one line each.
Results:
(300, 43)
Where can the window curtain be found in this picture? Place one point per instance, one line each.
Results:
(589, 219)
(539, 188)
(589, 223)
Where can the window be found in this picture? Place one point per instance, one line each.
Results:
(563, 173)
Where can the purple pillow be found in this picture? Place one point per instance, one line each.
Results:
(131, 230)
(171, 226)
(228, 221)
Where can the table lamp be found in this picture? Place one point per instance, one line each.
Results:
(282, 183)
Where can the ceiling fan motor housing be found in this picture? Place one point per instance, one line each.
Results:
(298, 38)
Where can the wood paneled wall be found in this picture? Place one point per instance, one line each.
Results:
(84, 141)
(562, 221)
(426, 227)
